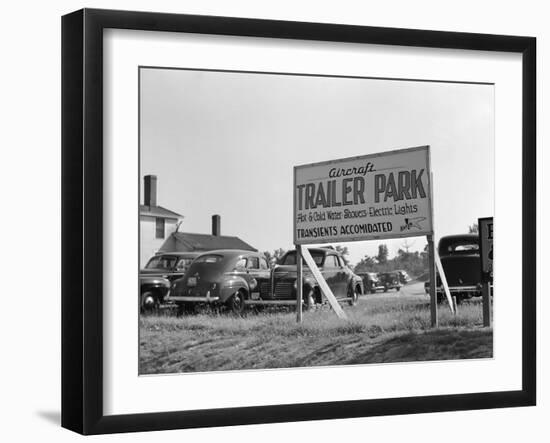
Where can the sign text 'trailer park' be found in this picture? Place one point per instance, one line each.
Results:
(383, 195)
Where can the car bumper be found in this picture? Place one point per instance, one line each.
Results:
(193, 299)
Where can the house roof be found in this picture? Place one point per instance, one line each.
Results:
(158, 211)
(184, 241)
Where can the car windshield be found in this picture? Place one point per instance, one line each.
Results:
(209, 258)
(161, 262)
(463, 247)
(290, 258)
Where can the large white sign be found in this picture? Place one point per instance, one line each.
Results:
(383, 195)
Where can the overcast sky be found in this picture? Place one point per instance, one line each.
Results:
(226, 143)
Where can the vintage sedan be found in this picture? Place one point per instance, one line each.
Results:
(371, 282)
(159, 272)
(343, 282)
(228, 277)
(390, 280)
(461, 263)
(404, 277)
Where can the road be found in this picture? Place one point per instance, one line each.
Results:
(414, 289)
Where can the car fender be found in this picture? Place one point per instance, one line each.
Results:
(159, 285)
(154, 283)
(230, 285)
(309, 283)
(358, 281)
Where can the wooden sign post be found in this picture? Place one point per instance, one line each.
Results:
(433, 282)
(450, 300)
(325, 289)
(486, 300)
(299, 283)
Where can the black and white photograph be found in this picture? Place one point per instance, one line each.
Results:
(271, 222)
(292, 221)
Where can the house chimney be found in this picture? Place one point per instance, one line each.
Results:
(150, 190)
(216, 225)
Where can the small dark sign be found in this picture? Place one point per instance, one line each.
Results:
(485, 226)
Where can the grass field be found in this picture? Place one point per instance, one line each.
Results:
(393, 327)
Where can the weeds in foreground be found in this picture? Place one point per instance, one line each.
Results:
(398, 317)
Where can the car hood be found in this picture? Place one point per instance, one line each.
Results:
(290, 269)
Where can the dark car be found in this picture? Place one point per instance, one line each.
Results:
(344, 283)
(461, 263)
(371, 282)
(390, 280)
(228, 277)
(170, 265)
(403, 276)
(155, 278)
(153, 291)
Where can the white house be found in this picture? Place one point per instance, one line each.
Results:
(156, 223)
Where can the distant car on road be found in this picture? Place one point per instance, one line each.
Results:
(371, 282)
(403, 276)
(390, 280)
(461, 263)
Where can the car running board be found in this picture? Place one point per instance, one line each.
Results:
(283, 302)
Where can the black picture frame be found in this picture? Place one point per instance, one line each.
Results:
(82, 218)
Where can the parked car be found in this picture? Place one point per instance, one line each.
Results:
(236, 278)
(403, 276)
(461, 263)
(389, 280)
(228, 277)
(371, 282)
(153, 291)
(159, 272)
(343, 282)
(169, 265)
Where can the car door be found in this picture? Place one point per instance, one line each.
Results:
(330, 272)
(257, 276)
(240, 269)
(252, 276)
(343, 275)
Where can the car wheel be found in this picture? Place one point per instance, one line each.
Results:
(352, 294)
(148, 302)
(236, 303)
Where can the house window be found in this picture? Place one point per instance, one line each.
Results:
(159, 227)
